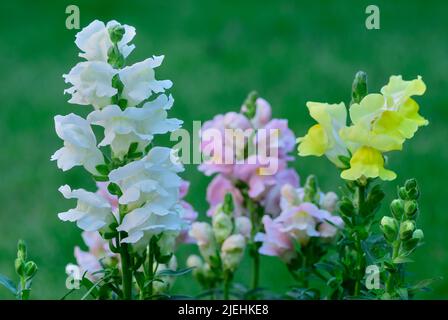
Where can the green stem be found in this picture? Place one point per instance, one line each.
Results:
(254, 249)
(392, 273)
(150, 272)
(227, 281)
(358, 247)
(126, 269)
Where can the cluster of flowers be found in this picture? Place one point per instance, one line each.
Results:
(304, 215)
(272, 136)
(379, 123)
(140, 193)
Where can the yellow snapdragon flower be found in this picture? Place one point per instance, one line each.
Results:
(385, 121)
(323, 138)
(367, 162)
(379, 123)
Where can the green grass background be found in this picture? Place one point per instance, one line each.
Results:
(216, 52)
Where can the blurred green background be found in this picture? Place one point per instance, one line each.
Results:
(216, 52)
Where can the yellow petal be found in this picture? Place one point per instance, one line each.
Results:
(410, 109)
(314, 143)
(397, 91)
(369, 108)
(367, 162)
(359, 134)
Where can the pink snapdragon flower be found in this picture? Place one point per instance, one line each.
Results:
(98, 252)
(276, 242)
(216, 191)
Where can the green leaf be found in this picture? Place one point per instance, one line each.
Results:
(402, 259)
(114, 189)
(100, 178)
(174, 273)
(103, 169)
(8, 284)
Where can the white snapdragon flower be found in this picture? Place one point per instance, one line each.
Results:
(139, 81)
(92, 211)
(94, 40)
(123, 127)
(79, 144)
(143, 223)
(152, 179)
(92, 83)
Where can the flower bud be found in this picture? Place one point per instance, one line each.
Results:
(21, 250)
(410, 184)
(30, 269)
(289, 195)
(413, 194)
(359, 87)
(410, 208)
(311, 190)
(250, 108)
(418, 234)
(406, 229)
(243, 226)
(203, 233)
(397, 208)
(19, 265)
(194, 261)
(402, 193)
(116, 33)
(222, 226)
(232, 251)
(330, 201)
(228, 206)
(389, 227)
(417, 237)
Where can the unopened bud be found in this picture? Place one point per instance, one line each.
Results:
(410, 184)
(222, 226)
(330, 201)
(21, 250)
(402, 193)
(194, 261)
(243, 226)
(389, 227)
(406, 229)
(311, 190)
(418, 234)
(228, 206)
(359, 87)
(116, 33)
(413, 194)
(232, 251)
(19, 265)
(397, 208)
(30, 269)
(410, 208)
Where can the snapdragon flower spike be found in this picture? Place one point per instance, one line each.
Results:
(379, 123)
